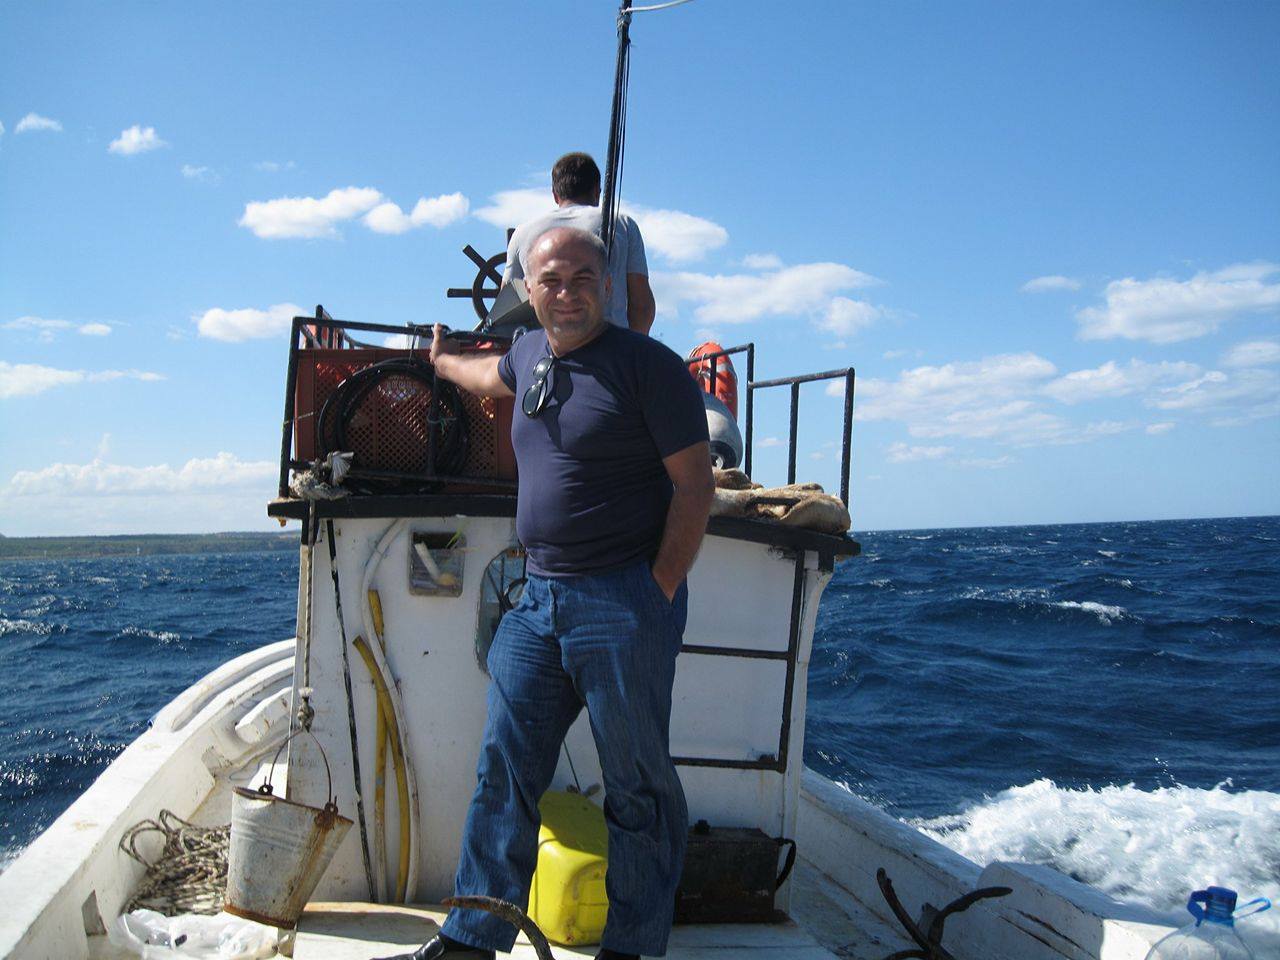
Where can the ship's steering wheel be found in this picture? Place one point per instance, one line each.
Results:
(487, 271)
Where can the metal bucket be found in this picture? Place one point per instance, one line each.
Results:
(279, 851)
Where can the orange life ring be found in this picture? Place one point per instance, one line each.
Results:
(725, 389)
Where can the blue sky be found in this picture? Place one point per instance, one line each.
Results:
(1047, 237)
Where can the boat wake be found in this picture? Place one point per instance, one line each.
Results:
(1145, 846)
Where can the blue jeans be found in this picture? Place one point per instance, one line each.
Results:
(607, 641)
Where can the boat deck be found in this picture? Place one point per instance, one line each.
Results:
(825, 928)
(358, 931)
(827, 924)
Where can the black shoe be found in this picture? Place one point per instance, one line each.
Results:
(441, 947)
(607, 954)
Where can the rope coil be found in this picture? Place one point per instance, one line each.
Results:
(189, 875)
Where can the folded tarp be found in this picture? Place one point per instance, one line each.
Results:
(795, 505)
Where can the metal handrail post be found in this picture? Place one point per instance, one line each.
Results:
(795, 429)
(846, 437)
(751, 375)
(290, 388)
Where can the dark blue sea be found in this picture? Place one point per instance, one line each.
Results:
(1101, 697)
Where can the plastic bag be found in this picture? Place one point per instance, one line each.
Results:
(153, 936)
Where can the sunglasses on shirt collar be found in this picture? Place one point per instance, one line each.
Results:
(539, 391)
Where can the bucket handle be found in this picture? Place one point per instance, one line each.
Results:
(788, 863)
(266, 789)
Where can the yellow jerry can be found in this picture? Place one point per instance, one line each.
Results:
(567, 900)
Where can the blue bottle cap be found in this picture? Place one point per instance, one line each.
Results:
(1219, 904)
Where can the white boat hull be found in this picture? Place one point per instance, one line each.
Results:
(72, 880)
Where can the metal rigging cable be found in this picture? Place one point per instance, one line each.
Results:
(612, 191)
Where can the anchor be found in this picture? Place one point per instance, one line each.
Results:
(930, 941)
(510, 913)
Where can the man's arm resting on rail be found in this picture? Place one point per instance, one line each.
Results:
(690, 473)
(641, 306)
(474, 372)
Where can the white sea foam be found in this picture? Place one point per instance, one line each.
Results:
(1145, 846)
(1102, 611)
(161, 636)
(1109, 554)
(24, 626)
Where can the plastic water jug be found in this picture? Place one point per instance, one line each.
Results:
(1213, 936)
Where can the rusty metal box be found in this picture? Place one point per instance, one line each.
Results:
(730, 875)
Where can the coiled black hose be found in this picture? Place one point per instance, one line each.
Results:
(450, 425)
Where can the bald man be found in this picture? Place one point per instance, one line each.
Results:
(615, 488)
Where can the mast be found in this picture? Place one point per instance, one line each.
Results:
(612, 191)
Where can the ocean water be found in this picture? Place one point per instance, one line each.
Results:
(1104, 698)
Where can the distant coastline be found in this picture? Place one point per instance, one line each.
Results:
(70, 548)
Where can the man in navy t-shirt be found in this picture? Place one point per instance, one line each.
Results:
(615, 488)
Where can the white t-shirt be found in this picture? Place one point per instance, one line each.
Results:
(627, 255)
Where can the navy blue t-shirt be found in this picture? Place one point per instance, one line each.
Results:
(593, 491)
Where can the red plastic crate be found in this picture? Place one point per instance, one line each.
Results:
(389, 429)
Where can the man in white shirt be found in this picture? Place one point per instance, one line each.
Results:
(575, 186)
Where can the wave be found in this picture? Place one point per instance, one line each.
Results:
(164, 637)
(1102, 611)
(35, 627)
(1144, 846)
(1019, 603)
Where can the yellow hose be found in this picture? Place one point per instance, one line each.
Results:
(375, 604)
(380, 798)
(392, 732)
(375, 608)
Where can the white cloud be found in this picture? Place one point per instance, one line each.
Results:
(1252, 353)
(46, 329)
(770, 442)
(273, 166)
(1162, 310)
(318, 217)
(1113, 380)
(137, 139)
(1, 128)
(33, 121)
(510, 208)
(677, 236)
(308, 216)
(1240, 396)
(804, 289)
(31, 379)
(437, 211)
(985, 463)
(845, 317)
(904, 453)
(235, 326)
(1156, 429)
(203, 174)
(99, 478)
(1052, 282)
(674, 235)
(440, 211)
(988, 399)
(762, 261)
(922, 392)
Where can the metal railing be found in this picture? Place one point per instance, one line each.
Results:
(846, 435)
